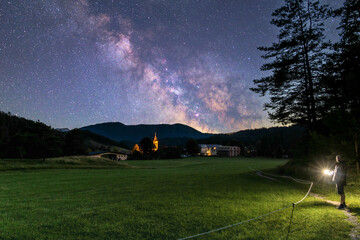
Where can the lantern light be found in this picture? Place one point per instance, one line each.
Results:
(328, 172)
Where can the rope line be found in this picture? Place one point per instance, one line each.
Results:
(306, 194)
(289, 177)
(296, 180)
(264, 215)
(236, 224)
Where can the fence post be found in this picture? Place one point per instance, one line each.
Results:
(292, 214)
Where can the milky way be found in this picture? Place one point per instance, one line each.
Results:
(75, 63)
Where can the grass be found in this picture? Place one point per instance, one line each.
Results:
(165, 199)
(74, 162)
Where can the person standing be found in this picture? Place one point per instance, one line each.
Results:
(339, 178)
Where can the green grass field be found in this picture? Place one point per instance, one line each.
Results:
(167, 199)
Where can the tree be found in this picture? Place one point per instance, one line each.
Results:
(296, 64)
(18, 143)
(342, 79)
(146, 145)
(349, 48)
(192, 147)
(74, 143)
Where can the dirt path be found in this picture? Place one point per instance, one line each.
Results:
(355, 231)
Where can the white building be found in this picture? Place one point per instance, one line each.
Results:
(219, 150)
(228, 151)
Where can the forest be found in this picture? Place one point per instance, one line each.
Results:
(23, 138)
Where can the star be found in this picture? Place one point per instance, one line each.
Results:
(76, 63)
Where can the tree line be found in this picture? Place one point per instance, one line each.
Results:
(313, 82)
(23, 138)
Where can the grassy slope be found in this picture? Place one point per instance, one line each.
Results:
(165, 200)
(74, 162)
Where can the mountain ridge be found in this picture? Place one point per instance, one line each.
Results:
(121, 132)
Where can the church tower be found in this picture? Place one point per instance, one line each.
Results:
(155, 143)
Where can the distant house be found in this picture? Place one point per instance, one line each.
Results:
(209, 149)
(110, 155)
(219, 150)
(136, 148)
(228, 151)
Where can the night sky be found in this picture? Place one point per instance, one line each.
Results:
(72, 63)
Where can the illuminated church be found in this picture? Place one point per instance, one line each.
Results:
(155, 143)
(154, 148)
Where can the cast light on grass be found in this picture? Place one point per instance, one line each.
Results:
(328, 172)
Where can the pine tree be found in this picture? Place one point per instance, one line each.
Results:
(348, 50)
(296, 63)
(343, 78)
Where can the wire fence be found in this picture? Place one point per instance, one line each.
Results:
(266, 214)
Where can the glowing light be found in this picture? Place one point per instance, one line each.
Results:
(328, 172)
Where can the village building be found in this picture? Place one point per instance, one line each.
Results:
(136, 148)
(219, 150)
(228, 151)
(208, 149)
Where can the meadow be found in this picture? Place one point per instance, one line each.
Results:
(159, 199)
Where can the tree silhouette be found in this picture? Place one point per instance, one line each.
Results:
(146, 146)
(296, 61)
(192, 147)
(341, 81)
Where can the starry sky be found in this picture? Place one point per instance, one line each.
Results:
(72, 63)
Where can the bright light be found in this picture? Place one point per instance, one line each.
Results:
(328, 172)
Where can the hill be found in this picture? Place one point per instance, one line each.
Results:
(79, 142)
(269, 142)
(23, 138)
(121, 132)
(272, 142)
(282, 134)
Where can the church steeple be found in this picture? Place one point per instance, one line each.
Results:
(155, 139)
(155, 143)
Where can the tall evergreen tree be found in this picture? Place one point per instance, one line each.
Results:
(343, 66)
(349, 55)
(296, 63)
(342, 81)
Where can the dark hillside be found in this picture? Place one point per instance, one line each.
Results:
(79, 142)
(120, 132)
(23, 138)
(269, 142)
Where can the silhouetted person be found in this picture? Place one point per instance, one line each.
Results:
(339, 178)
